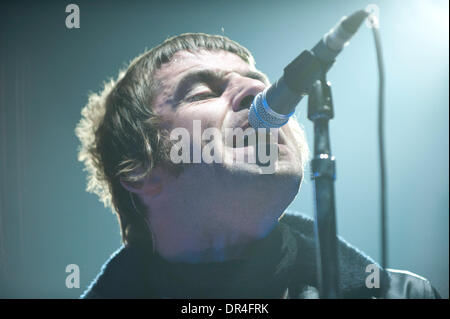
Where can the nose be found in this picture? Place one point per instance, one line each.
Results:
(246, 102)
(242, 92)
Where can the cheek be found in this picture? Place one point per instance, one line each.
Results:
(208, 114)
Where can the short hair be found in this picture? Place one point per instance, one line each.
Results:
(120, 134)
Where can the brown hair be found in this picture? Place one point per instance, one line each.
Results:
(119, 133)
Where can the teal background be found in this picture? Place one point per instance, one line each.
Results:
(47, 219)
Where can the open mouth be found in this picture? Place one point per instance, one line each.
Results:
(254, 138)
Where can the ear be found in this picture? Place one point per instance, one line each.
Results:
(149, 186)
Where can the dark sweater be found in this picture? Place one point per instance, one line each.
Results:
(282, 265)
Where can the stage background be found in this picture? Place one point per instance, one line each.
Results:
(47, 219)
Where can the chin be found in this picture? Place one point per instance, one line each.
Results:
(284, 179)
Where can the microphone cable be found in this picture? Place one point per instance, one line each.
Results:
(374, 25)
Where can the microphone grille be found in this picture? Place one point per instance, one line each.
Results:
(262, 116)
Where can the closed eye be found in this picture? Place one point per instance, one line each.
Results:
(201, 96)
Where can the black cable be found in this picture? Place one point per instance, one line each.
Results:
(383, 184)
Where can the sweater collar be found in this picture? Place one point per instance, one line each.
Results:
(285, 258)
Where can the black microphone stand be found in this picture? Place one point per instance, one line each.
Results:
(320, 111)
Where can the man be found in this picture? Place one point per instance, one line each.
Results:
(197, 228)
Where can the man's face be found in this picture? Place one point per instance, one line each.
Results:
(215, 89)
(207, 90)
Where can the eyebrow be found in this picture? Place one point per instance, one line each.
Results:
(209, 76)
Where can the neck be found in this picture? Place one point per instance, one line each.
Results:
(196, 234)
(202, 226)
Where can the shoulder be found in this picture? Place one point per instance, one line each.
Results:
(97, 287)
(121, 276)
(405, 284)
(356, 268)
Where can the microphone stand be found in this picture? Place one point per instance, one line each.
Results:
(320, 111)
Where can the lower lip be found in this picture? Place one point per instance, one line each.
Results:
(280, 146)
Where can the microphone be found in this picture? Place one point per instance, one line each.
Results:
(273, 107)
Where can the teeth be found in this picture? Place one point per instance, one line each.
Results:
(253, 140)
(245, 141)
